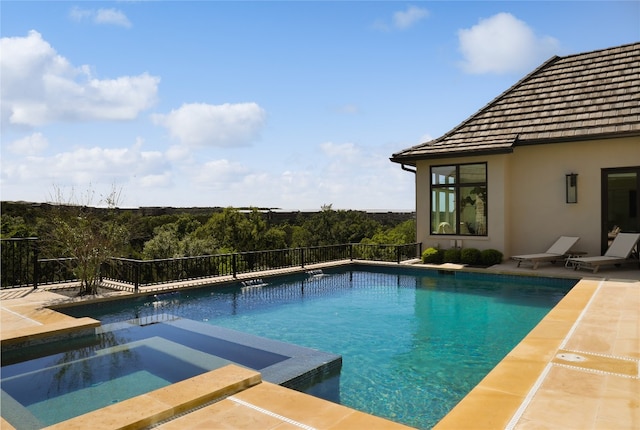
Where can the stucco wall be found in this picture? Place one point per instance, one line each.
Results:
(527, 207)
(537, 204)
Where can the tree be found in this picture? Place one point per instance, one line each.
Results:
(179, 239)
(237, 232)
(330, 227)
(402, 233)
(15, 226)
(85, 238)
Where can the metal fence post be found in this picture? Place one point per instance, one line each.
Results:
(398, 253)
(302, 257)
(136, 274)
(36, 266)
(234, 266)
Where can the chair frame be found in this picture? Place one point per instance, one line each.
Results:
(560, 249)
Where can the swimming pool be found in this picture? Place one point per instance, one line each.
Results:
(413, 342)
(46, 384)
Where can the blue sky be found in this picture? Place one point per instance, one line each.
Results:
(289, 105)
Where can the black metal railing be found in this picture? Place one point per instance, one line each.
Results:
(19, 261)
(376, 252)
(21, 266)
(148, 272)
(53, 271)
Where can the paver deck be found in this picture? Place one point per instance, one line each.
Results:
(578, 369)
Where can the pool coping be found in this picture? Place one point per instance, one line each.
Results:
(161, 404)
(499, 403)
(301, 367)
(507, 393)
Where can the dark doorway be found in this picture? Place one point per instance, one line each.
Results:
(620, 203)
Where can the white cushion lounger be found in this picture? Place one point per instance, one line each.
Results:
(557, 251)
(618, 253)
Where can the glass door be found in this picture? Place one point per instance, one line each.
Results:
(620, 203)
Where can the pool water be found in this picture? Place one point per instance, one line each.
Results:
(58, 387)
(413, 342)
(46, 384)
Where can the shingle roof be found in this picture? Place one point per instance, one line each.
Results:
(577, 97)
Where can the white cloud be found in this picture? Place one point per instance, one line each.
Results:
(407, 18)
(78, 14)
(347, 151)
(40, 87)
(502, 44)
(112, 16)
(351, 170)
(201, 124)
(220, 174)
(155, 180)
(339, 173)
(100, 16)
(88, 165)
(402, 19)
(178, 153)
(30, 145)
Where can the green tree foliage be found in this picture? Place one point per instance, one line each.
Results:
(402, 233)
(78, 232)
(179, 239)
(235, 231)
(15, 226)
(175, 234)
(329, 227)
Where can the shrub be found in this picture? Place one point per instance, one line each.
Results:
(432, 256)
(489, 257)
(470, 256)
(452, 255)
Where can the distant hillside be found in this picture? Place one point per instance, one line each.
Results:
(30, 210)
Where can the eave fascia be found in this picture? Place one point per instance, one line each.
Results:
(412, 159)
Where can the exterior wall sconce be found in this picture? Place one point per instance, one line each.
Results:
(572, 187)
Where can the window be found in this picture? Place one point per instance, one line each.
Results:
(459, 199)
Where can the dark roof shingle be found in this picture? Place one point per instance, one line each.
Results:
(577, 97)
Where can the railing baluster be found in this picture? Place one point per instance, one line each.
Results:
(18, 271)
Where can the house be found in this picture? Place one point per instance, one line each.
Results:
(556, 154)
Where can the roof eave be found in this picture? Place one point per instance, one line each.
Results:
(412, 159)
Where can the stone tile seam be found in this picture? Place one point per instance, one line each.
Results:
(581, 316)
(188, 411)
(597, 354)
(527, 400)
(536, 386)
(21, 316)
(596, 371)
(271, 414)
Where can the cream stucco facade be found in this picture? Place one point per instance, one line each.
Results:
(526, 196)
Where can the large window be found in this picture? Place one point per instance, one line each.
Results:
(459, 199)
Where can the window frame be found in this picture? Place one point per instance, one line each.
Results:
(457, 186)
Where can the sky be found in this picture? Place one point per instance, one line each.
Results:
(292, 105)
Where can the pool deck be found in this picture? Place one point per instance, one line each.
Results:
(579, 368)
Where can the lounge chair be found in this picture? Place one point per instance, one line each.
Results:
(618, 253)
(556, 252)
